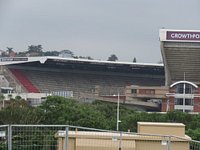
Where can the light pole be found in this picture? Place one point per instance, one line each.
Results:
(118, 121)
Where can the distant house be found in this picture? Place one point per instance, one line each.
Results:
(7, 53)
(12, 54)
(2, 52)
(33, 54)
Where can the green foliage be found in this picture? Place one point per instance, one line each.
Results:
(59, 110)
(2, 97)
(177, 116)
(18, 98)
(113, 57)
(51, 53)
(19, 112)
(9, 50)
(194, 133)
(134, 60)
(35, 48)
(17, 115)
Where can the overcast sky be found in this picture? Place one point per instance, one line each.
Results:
(96, 28)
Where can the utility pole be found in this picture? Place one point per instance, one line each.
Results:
(118, 121)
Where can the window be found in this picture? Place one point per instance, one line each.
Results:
(188, 88)
(179, 101)
(188, 101)
(34, 101)
(134, 91)
(188, 110)
(179, 88)
(150, 91)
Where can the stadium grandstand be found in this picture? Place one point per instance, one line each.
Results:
(78, 78)
(181, 56)
(157, 87)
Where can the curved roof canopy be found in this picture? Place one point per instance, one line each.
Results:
(186, 82)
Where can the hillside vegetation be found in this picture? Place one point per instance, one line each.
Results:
(58, 110)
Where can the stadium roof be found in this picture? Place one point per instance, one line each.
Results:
(180, 52)
(20, 60)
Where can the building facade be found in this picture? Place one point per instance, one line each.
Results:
(181, 56)
(180, 51)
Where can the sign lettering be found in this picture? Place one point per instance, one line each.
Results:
(184, 36)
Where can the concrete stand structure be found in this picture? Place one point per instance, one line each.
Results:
(150, 136)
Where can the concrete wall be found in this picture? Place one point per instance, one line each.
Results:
(156, 92)
(177, 129)
(157, 145)
(90, 140)
(137, 143)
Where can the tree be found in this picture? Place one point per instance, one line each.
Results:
(20, 112)
(89, 58)
(9, 50)
(4, 54)
(134, 60)
(66, 54)
(35, 48)
(21, 54)
(113, 57)
(51, 53)
(2, 97)
(18, 98)
(85, 57)
(20, 115)
(194, 133)
(59, 110)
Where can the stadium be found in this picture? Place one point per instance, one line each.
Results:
(173, 85)
(79, 78)
(151, 87)
(181, 57)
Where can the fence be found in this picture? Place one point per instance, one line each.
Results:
(4, 137)
(194, 145)
(61, 137)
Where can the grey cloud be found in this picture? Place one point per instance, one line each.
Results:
(98, 28)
